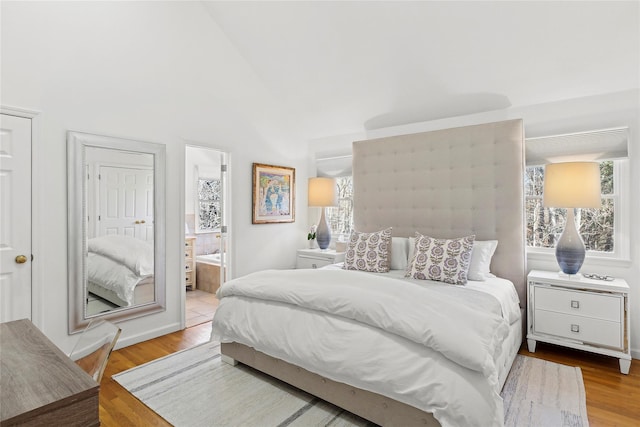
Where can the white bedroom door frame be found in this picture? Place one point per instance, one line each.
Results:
(226, 240)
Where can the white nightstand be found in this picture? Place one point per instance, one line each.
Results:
(580, 313)
(316, 258)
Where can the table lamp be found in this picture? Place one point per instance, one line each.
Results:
(571, 185)
(322, 193)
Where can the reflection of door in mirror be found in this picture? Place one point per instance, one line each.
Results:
(120, 230)
(126, 202)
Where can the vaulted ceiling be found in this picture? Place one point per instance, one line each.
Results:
(341, 67)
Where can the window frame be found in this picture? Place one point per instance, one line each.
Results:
(621, 223)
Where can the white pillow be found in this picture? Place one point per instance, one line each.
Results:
(481, 255)
(412, 247)
(399, 253)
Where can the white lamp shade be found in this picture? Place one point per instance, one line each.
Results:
(323, 192)
(572, 185)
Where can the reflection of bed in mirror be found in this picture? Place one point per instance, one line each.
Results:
(120, 270)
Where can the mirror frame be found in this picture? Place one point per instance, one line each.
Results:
(77, 142)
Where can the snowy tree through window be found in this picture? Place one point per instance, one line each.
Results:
(209, 192)
(544, 225)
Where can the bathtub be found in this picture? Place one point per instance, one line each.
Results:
(208, 272)
(209, 259)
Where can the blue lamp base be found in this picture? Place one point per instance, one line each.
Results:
(570, 250)
(323, 232)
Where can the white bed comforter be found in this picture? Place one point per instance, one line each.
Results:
(435, 350)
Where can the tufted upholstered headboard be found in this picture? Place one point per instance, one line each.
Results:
(448, 183)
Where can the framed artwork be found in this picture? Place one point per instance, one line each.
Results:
(273, 194)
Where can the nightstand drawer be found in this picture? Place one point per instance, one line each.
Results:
(578, 328)
(189, 278)
(311, 262)
(599, 306)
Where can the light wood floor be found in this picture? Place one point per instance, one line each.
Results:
(613, 399)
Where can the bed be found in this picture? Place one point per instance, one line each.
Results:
(399, 350)
(120, 269)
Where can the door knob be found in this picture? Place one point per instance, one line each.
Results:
(21, 259)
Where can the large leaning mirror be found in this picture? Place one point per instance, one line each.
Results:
(116, 228)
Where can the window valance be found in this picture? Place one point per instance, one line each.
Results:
(606, 144)
(334, 167)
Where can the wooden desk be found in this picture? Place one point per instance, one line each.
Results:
(39, 384)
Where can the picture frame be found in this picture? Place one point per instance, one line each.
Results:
(273, 194)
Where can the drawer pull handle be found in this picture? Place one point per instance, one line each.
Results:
(575, 328)
(575, 304)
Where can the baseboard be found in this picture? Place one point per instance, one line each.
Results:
(147, 335)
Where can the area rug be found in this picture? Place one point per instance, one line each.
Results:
(542, 393)
(195, 388)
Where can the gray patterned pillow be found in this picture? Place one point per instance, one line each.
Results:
(368, 251)
(443, 260)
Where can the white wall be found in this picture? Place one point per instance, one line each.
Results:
(589, 113)
(159, 72)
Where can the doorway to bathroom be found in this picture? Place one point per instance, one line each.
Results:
(206, 230)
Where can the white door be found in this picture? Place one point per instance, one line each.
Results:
(15, 218)
(126, 202)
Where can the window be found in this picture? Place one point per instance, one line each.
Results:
(600, 228)
(340, 218)
(209, 215)
(605, 231)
